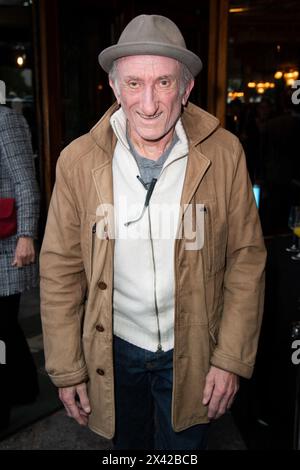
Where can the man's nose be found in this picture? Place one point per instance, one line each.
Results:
(149, 101)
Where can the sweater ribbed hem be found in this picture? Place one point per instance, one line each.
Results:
(140, 337)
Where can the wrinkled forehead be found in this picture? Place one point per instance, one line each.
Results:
(143, 64)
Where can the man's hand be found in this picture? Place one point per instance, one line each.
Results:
(25, 252)
(219, 391)
(79, 410)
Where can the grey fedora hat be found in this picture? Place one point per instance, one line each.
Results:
(151, 35)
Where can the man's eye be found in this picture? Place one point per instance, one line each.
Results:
(164, 83)
(133, 85)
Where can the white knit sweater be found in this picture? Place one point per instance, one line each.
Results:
(135, 318)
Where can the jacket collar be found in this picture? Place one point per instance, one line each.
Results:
(103, 134)
(197, 123)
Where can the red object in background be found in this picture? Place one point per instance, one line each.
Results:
(8, 217)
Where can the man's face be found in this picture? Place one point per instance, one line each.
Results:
(149, 93)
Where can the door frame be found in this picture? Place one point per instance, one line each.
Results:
(217, 53)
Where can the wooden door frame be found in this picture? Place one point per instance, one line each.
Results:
(217, 53)
(48, 90)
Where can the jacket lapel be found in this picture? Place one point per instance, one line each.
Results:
(198, 125)
(103, 180)
(105, 139)
(102, 177)
(197, 166)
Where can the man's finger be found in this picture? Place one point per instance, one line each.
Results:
(83, 398)
(208, 390)
(222, 407)
(74, 409)
(231, 399)
(75, 413)
(214, 404)
(67, 410)
(67, 397)
(81, 410)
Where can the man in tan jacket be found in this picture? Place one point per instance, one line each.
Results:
(152, 265)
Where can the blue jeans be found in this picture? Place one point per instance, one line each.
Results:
(143, 398)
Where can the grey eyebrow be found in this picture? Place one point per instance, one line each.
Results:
(166, 76)
(132, 77)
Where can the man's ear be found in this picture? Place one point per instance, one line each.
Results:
(112, 85)
(187, 92)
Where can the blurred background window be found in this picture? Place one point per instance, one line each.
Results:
(16, 58)
(263, 69)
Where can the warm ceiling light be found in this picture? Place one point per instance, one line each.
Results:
(289, 75)
(293, 75)
(290, 82)
(261, 86)
(20, 61)
(237, 10)
(235, 94)
(278, 75)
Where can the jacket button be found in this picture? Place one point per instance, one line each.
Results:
(100, 371)
(102, 285)
(100, 328)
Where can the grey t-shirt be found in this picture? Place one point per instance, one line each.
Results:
(150, 169)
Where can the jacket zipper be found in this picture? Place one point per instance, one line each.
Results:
(159, 346)
(147, 206)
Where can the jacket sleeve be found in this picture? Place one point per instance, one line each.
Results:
(244, 278)
(63, 286)
(17, 159)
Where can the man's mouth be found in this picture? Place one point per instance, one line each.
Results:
(149, 118)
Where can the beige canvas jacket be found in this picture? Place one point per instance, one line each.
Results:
(219, 289)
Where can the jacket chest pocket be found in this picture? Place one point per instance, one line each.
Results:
(208, 245)
(94, 241)
(93, 229)
(88, 240)
(215, 238)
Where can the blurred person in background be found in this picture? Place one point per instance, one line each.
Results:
(19, 214)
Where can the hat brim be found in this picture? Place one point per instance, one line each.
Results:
(191, 60)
